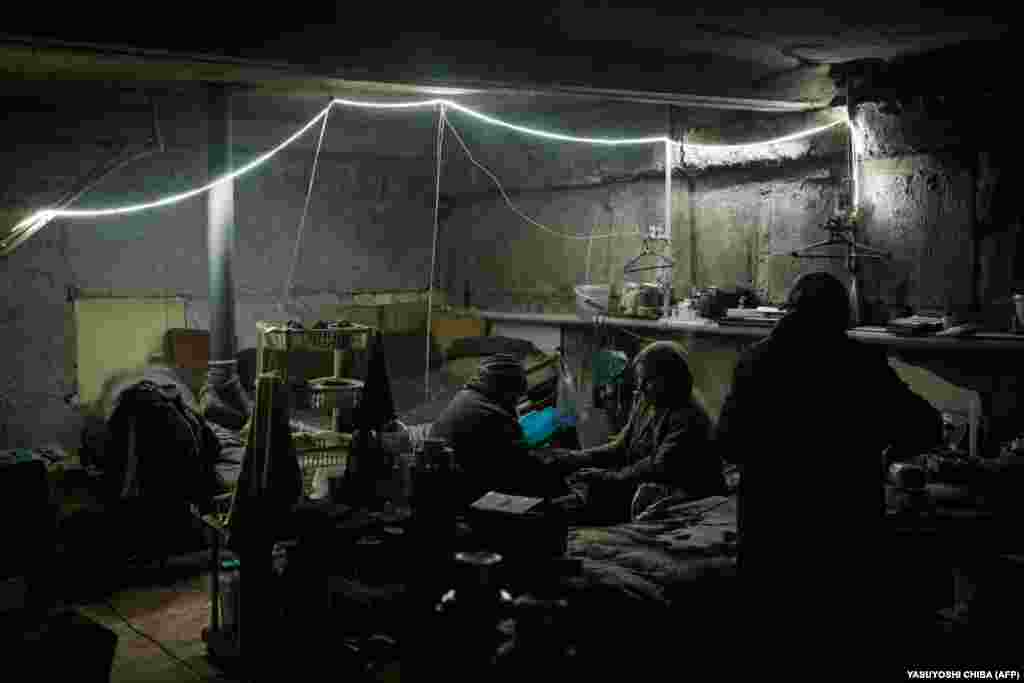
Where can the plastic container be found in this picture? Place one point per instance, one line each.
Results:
(279, 337)
(592, 300)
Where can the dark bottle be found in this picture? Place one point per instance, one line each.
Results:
(469, 614)
(433, 522)
(540, 646)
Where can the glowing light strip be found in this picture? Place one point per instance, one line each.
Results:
(25, 228)
(559, 136)
(775, 141)
(41, 218)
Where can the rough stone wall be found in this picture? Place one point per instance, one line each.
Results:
(939, 186)
(917, 194)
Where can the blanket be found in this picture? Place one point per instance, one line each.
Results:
(674, 543)
(656, 592)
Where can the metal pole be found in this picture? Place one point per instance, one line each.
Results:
(220, 227)
(667, 309)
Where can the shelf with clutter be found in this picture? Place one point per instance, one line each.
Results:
(338, 393)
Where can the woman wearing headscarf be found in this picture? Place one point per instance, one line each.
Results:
(666, 440)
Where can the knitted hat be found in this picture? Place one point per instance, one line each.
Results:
(502, 373)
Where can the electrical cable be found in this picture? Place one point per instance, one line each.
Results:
(286, 294)
(25, 228)
(515, 209)
(167, 651)
(590, 247)
(441, 121)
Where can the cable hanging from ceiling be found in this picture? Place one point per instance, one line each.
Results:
(514, 208)
(39, 219)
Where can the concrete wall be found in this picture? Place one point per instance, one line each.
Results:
(939, 190)
(734, 222)
(368, 228)
(933, 196)
(370, 223)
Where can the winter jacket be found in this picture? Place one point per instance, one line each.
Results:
(490, 448)
(160, 448)
(808, 417)
(663, 445)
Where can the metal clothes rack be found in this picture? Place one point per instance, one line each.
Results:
(663, 265)
(841, 233)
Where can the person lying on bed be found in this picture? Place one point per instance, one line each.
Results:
(666, 443)
(482, 426)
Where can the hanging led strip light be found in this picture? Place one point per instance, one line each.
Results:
(35, 222)
(29, 226)
(775, 141)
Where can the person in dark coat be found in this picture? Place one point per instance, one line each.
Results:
(481, 424)
(665, 447)
(812, 419)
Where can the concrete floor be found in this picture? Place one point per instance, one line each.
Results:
(159, 615)
(171, 608)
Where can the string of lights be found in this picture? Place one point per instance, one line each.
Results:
(36, 221)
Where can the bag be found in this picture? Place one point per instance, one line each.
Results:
(567, 399)
(159, 448)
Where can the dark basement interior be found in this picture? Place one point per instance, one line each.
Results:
(587, 342)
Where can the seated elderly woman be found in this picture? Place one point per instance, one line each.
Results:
(482, 426)
(664, 449)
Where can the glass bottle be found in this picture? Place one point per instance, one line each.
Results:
(541, 645)
(469, 614)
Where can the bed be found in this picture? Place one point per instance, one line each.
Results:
(652, 587)
(650, 596)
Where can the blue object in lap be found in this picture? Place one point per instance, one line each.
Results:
(540, 425)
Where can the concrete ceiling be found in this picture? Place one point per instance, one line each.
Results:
(759, 59)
